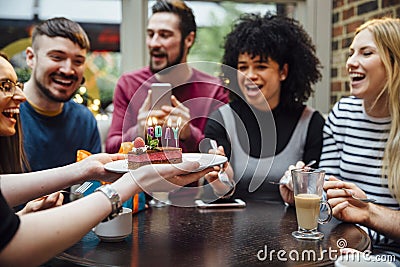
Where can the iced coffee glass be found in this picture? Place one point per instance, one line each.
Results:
(308, 188)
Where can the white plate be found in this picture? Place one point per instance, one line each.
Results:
(205, 160)
(118, 166)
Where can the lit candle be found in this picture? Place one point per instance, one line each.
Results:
(157, 130)
(176, 130)
(150, 129)
(168, 131)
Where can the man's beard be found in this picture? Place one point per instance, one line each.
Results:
(46, 91)
(167, 68)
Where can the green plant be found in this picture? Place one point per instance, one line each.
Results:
(23, 74)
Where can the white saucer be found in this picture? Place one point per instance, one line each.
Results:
(112, 238)
(205, 160)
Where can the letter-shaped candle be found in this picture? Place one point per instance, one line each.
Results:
(168, 130)
(150, 129)
(176, 131)
(157, 129)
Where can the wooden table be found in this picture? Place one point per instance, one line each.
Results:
(252, 236)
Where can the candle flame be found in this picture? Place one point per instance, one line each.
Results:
(149, 122)
(155, 121)
(178, 123)
(169, 122)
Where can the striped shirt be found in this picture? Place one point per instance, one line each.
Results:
(353, 147)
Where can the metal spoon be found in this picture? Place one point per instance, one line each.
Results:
(286, 180)
(223, 177)
(365, 200)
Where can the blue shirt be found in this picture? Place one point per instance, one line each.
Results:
(51, 142)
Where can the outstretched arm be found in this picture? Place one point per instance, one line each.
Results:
(44, 234)
(381, 219)
(21, 188)
(379, 216)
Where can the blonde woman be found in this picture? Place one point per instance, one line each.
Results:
(362, 135)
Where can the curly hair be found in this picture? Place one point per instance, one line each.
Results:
(283, 40)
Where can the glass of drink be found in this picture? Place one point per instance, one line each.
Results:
(308, 188)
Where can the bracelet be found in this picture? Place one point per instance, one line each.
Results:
(114, 198)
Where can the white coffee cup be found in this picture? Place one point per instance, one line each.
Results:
(116, 229)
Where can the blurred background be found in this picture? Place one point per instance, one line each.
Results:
(117, 29)
(101, 19)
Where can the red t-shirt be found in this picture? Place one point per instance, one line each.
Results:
(202, 94)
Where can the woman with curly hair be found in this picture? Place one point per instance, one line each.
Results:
(269, 66)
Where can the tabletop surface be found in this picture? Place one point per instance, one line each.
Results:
(257, 235)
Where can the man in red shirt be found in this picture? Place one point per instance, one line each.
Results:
(171, 33)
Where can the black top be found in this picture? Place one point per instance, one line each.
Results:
(285, 123)
(9, 222)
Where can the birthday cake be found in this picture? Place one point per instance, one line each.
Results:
(142, 154)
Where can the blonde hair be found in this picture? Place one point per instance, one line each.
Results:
(386, 32)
